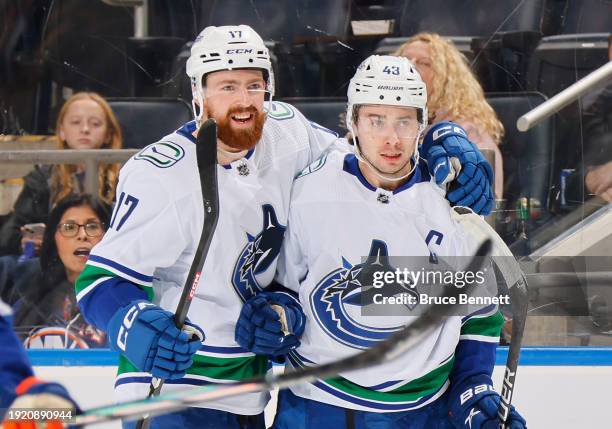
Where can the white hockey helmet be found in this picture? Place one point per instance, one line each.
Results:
(387, 81)
(227, 47)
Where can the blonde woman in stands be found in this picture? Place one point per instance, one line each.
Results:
(455, 95)
(85, 121)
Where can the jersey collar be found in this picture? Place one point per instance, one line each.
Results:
(187, 131)
(351, 166)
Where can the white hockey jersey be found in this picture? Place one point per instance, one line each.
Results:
(156, 226)
(336, 220)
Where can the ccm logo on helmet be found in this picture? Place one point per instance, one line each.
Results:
(390, 88)
(239, 51)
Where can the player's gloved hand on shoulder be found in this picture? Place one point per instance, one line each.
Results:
(146, 335)
(474, 405)
(452, 158)
(271, 324)
(37, 394)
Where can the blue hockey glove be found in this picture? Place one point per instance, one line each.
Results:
(264, 330)
(474, 405)
(451, 157)
(146, 335)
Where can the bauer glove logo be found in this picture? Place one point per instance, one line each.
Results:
(473, 391)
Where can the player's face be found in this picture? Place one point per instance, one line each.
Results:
(235, 99)
(74, 242)
(387, 137)
(84, 125)
(419, 54)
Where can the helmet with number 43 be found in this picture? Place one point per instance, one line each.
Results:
(387, 81)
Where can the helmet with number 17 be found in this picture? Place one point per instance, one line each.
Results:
(227, 47)
(386, 81)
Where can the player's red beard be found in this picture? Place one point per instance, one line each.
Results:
(239, 139)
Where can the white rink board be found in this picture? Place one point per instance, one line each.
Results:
(560, 397)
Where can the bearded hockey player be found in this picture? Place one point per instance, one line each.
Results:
(134, 277)
(380, 201)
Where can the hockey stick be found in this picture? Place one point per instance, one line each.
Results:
(388, 349)
(206, 154)
(515, 279)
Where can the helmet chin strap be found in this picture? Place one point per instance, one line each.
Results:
(381, 175)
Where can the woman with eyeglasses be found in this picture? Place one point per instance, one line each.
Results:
(46, 312)
(85, 121)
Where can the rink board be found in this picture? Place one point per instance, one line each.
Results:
(560, 387)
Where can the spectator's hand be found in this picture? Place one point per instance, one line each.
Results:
(598, 181)
(32, 236)
(36, 394)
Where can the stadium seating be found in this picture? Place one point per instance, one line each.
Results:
(323, 111)
(85, 47)
(588, 16)
(146, 120)
(470, 17)
(558, 62)
(527, 156)
(389, 45)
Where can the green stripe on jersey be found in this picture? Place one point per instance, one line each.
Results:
(489, 326)
(91, 274)
(426, 385)
(224, 369)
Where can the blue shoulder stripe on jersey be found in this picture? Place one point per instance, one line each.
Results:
(121, 268)
(351, 166)
(322, 128)
(103, 301)
(187, 130)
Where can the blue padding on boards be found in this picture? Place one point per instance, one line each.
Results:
(60, 357)
(559, 356)
(532, 356)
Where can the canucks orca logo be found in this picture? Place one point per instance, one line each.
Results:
(347, 288)
(259, 253)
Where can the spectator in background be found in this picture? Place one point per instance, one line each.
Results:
(46, 314)
(85, 121)
(454, 94)
(593, 176)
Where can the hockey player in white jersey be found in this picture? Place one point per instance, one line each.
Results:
(379, 201)
(134, 276)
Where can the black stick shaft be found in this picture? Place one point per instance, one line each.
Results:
(206, 154)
